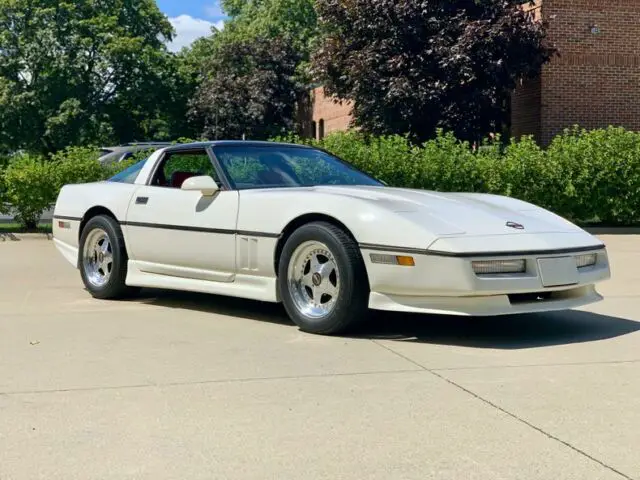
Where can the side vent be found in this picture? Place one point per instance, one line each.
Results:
(248, 254)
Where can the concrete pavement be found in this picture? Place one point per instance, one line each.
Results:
(183, 386)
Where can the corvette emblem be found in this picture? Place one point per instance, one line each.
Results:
(515, 225)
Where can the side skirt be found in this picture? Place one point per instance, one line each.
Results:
(251, 287)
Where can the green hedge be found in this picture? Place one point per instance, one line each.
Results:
(585, 176)
(30, 184)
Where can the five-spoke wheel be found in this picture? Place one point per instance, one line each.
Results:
(322, 279)
(314, 279)
(97, 258)
(103, 258)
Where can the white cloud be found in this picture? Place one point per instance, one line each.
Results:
(189, 29)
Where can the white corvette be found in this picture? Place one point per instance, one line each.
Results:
(293, 224)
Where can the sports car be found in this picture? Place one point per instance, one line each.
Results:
(296, 225)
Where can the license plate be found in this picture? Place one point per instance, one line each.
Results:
(558, 271)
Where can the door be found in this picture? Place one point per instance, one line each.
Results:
(183, 233)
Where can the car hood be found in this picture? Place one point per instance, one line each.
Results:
(459, 213)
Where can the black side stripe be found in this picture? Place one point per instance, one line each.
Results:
(184, 228)
(62, 217)
(244, 233)
(389, 248)
(417, 251)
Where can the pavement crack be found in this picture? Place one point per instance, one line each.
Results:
(506, 412)
(206, 382)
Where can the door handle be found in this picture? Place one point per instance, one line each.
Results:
(142, 200)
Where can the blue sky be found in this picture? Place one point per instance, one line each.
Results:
(192, 19)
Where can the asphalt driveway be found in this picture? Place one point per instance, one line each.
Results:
(183, 386)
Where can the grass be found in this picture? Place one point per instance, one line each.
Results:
(17, 228)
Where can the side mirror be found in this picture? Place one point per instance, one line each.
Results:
(204, 184)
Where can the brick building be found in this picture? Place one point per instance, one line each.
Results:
(594, 82)
(327, 115)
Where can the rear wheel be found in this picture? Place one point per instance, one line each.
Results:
(322, 279)
(103, 259)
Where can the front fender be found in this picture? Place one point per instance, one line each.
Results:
(271, 212)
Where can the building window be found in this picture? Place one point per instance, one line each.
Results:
(321, 129)
(314, 129)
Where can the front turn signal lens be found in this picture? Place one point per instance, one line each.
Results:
(406, 261)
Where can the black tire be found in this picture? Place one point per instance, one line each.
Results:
(114, 287)
(351, 304)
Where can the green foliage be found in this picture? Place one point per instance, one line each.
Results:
(76, 165)
(199, 164)
(584, 176)
(295, 20)
(4, 161)
(73, 73)
(243, 170)
(29, 188)
(249, 77)
(602, 171)
(31, 183)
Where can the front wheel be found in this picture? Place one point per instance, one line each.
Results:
(323, 280)
(103, 259)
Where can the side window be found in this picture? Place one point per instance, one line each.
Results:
(179, 166)
(130, 174)
(244, 169)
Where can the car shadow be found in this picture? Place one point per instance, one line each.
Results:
(510, 332)
(503, 332)
(214, 304)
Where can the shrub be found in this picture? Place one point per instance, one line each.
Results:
(3, 200)
(584, 176)
(601, 170)
(29, 188)
(31, 184)
(4, 162)
(76, 165)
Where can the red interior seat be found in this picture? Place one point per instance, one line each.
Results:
(178, 178)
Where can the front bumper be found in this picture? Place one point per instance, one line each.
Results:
(448, 284)
(482, 306)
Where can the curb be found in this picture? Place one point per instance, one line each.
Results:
(613, 230)
(19, 237)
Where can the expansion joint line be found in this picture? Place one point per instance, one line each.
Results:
(506, 412)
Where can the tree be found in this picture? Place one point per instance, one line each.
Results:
(75, 72)
(413, 66)
(249, 88)
(294, 19)
(252, 74)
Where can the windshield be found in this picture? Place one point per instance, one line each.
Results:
(130, 174)
(250, 167)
